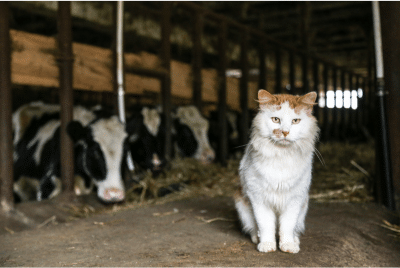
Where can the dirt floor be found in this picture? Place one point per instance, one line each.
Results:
(200, 231)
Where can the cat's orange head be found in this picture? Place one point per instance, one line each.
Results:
(297, 103)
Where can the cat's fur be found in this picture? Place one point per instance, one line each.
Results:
(275, 171)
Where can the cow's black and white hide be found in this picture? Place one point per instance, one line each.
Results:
(99, 151)
(232, 121)
(146, 143)
(190, 134)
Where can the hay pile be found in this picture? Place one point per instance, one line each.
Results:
(346, 177)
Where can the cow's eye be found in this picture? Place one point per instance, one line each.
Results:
(296, 121)
(275, 119)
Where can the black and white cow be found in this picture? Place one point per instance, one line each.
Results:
(232, 121)
(99, 150)
(190, 134)
(145, 143)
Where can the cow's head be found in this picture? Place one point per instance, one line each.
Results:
(100, 149)
(191, 132)
(146, 145)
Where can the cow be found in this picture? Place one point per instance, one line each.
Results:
(190, 134)
(145, 143)
(232, 122)
(100, 146)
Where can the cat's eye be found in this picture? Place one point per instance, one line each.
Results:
(296, 121)
(275, 119)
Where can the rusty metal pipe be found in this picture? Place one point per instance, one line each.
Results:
(6, 144)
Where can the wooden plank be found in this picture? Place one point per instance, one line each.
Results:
(34, 64)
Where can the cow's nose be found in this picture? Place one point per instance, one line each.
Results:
(114, 195)
(208, 156)
(156, 162)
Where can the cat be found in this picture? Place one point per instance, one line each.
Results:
(275, 171)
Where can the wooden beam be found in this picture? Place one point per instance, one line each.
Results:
(222, 85)
(244, 81)
(197, 59)
(6, 136)
(391, 52)
(166, 83)
(65, 60)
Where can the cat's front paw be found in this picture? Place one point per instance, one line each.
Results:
(290, 247)
(266, 247)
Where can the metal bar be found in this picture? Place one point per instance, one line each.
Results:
(119, 60)
(262, 76)
(316, 88)
(388, 145)
(244, 82)
(197, 59)
(165, 56)
(222, 121)
(359, 104)
(6, 141)
(342, 114)
(278, 70)
(292, 74)
(66, 93)
(353, 112)
(325, 110)
(335, 109)
(304, 70)
(119, 74)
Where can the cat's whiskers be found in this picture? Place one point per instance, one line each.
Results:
(310, 145)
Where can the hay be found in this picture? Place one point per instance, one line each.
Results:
(346, 176)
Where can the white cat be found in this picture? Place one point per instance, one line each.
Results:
(275, 171)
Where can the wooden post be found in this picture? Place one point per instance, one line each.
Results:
(278, 71)
(262, 76)
(391, 54)
(341, 111)
(325, 117)
(335, 109)
(197, 59)
(222, 119)
(6, 140)
(316, 89)
(244, 81)
(166, 82)
(65, 61)
(305, 40)
(292, 74)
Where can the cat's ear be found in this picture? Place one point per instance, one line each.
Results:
(264, 96)
(309, 98)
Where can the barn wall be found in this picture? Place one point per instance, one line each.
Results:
(34, 64)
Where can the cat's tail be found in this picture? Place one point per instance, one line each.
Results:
(246, 216)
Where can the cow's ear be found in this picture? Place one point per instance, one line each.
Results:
(75, 130)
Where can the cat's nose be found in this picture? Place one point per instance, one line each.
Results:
(285, 133)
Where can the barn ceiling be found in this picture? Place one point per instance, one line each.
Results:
(338, 30)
